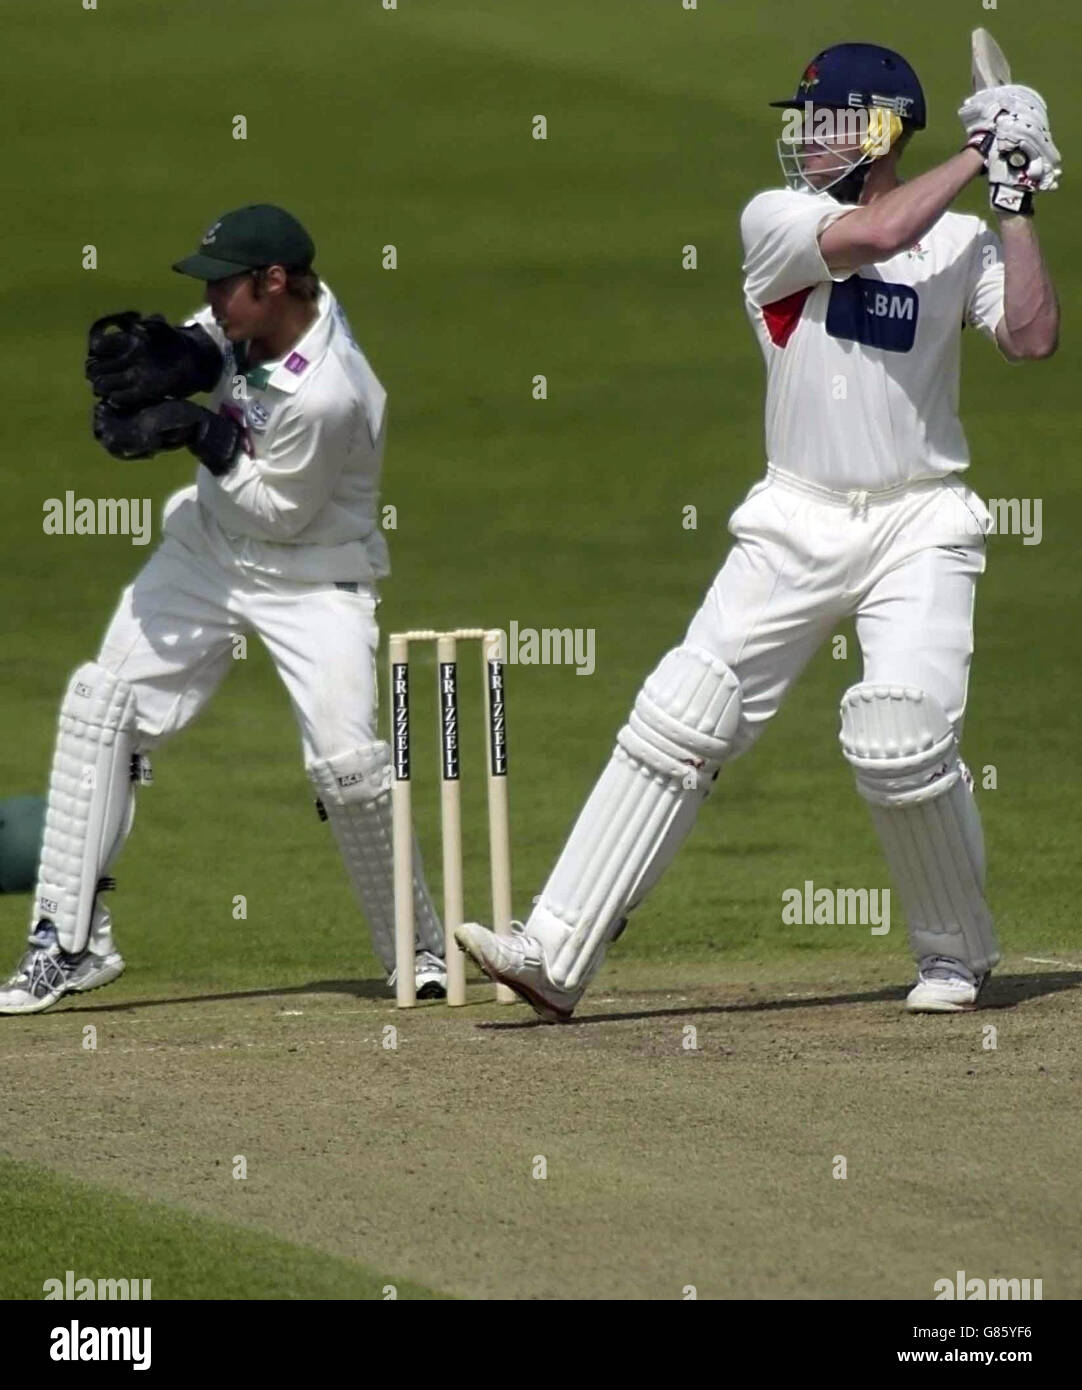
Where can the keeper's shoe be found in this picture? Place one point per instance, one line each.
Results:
(519, 962)
(46, 973)
(430, 974)
(944, 986)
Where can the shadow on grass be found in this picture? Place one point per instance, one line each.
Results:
(1001, 992)
(357, 989)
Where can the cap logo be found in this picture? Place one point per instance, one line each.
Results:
(810, 78)
(901, 106)
(295, 363)
(211, 233)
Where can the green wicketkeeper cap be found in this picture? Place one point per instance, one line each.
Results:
(246, 239)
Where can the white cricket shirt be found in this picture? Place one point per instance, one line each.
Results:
(863, 367)
(302, 498)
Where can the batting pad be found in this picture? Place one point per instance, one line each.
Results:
(355, 791)
(677, 737)
(91, 800)
(904, 753)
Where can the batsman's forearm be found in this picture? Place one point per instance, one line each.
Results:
(1030, 307)
(905, 213)
(893, 221)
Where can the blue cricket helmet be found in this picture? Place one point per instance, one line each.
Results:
(852, 75)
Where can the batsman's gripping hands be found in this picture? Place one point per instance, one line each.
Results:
(1009, 127)
(134, 361)
(139, 434)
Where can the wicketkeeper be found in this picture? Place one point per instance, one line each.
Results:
(858, 287)
(278, 536)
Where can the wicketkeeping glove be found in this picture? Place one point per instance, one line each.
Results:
(142, 433)
(136, 361)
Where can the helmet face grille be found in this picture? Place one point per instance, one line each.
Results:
(830, 166)
(808, 157)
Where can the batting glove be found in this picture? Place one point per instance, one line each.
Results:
(978, 113)
(1008, 126)
(1024, 144)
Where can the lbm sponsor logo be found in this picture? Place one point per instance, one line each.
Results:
(875, 313)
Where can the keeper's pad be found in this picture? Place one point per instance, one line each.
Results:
(904, 752)
(641, 810)
(354, 791)
(91, 800)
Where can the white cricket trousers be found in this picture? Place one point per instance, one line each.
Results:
(904, 563)
(173, 635)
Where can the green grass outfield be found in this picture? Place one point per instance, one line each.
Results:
(57, 1224)
(515, 257)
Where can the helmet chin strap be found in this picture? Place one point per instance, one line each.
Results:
(884, 130)
(849, 188)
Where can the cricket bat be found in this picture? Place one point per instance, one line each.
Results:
(991, 69)
(990, 66)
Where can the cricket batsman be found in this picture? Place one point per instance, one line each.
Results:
(278, 536)
(858, 287)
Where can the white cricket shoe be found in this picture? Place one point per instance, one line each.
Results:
(46, 973)
(519, 962)
(430, 974)
(944, 986)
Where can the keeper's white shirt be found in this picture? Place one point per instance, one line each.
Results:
(302, 497)
(863, 367)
